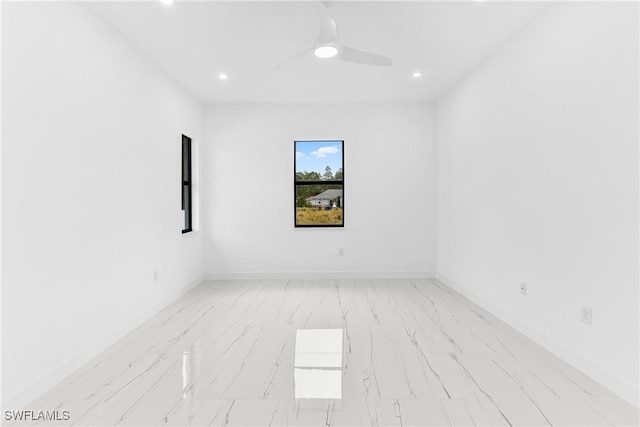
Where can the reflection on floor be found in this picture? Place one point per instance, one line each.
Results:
(317, 372)
(413, 352)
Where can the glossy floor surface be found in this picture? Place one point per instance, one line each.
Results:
(401, 352)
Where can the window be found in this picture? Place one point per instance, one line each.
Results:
(319, 183)
(187, 184)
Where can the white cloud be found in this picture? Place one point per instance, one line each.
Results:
(322, 152)
(299, 154)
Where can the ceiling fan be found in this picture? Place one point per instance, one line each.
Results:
(328, 46)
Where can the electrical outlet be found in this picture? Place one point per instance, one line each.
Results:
(523, 288)
(341, 252)
(156, 276)
(585, 315)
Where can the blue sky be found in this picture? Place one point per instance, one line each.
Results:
(317, 155)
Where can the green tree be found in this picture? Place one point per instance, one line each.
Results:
(328, 175)
(338, 174)
(307, 176)
(301, 201)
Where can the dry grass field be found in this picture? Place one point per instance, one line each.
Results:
(310, 216)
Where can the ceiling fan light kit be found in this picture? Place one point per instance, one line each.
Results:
(325, 51)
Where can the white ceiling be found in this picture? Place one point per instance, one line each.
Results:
(195, 41)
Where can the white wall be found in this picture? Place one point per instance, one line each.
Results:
(389, 191)
(90, 191)
(538, 183)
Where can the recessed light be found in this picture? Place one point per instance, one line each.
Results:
(223, 76)
(326, 52)
(167, 2)
(417, 74)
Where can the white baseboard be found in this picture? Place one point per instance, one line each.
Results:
(74, 362)
(319, 275)
(618, 385)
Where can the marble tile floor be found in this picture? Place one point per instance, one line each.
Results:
(414, 352)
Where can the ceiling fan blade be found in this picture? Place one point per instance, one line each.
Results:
(293, 58)
(328, 31)
(350, 54)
